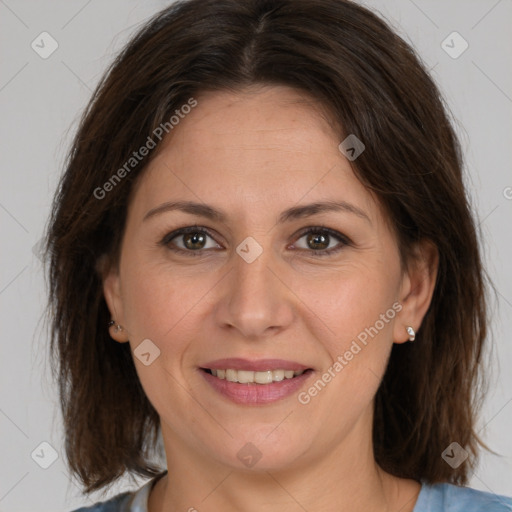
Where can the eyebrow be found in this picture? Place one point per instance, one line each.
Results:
(296, 212)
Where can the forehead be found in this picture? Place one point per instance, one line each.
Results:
(264, 145)
(253, 113)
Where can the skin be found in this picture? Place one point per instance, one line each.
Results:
(253, 154)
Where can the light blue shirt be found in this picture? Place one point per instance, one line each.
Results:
(432, 498)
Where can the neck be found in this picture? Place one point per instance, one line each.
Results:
(343, 477)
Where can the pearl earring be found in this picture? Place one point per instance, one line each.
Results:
(411, 333)
(117, 328)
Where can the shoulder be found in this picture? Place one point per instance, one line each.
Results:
(452, 498)
(119, 503)
(129, 501)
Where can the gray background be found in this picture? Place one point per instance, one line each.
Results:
(40, 102)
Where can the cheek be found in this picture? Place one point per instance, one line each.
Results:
(159, 301)
(354, 315)
(349, 300)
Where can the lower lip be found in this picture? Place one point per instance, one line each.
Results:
(254, 394)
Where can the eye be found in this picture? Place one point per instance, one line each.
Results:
(320, 240)
(192, 238)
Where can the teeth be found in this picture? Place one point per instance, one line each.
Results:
(263, 377)
(245, 377)
(249, 377)
(277, 375)
(232, 375)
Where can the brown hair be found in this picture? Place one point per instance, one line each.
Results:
(375, 87)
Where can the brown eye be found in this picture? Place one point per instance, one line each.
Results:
(189, 240)
(323, 241)
(194, 240)
(317, 240)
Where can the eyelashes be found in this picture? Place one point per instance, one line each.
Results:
(195, 235)
(167, 241)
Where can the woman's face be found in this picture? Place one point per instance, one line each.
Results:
(252, 284)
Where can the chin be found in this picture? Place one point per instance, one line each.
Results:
(261, 451)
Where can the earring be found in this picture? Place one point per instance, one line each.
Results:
(118, 327)
(411, 333)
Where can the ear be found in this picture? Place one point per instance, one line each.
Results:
(417, 289)
(112, 293)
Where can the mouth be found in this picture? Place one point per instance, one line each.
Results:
(246, 382)
(254, 377)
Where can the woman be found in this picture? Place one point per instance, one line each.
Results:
(262, 250)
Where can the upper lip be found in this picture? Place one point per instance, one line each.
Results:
(259, 365)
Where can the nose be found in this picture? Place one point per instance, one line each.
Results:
(254, 298)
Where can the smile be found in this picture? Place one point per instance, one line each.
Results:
(250, 387)
(250, 377)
